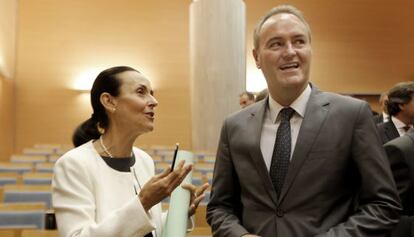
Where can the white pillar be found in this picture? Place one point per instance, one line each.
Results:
(218, 66)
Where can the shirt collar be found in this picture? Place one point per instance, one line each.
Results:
(299, 105)
(398, 123)
(385, 117)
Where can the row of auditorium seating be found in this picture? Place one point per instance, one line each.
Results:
(25, 190)
(26, 180)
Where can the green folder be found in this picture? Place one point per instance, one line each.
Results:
(176, 223)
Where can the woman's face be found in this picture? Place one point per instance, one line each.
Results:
(135, 103)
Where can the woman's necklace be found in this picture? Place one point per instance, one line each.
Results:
(106, 149)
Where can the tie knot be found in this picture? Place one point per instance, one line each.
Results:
(286, 113)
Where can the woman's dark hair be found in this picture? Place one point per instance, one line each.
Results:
(400, 94)
(106, 81)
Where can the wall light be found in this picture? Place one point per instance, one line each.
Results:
(85, 79)
(255, 80)
(2, 67)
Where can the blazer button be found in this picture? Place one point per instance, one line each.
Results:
(279, 212)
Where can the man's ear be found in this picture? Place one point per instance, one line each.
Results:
(256, 58)
(108, 102)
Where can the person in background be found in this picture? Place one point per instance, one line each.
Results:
(105, 186)
(262, 95)
(400, 153)
(383, 116)
(246, 98)
(400, 107)
(302, 162)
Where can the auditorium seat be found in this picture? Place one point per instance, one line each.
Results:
(38, 151)
(209, 159)
(44, 167)
(204, 168)
(37, 178)
(28, 158)
(28, 193)
(22, 215)
(53, 158)
(9, 178)
(16, 167)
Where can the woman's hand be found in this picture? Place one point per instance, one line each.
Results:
(162, 185)
(197, 194)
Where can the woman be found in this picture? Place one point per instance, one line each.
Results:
(107, 187)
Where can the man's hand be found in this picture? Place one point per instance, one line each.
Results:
(197, 194)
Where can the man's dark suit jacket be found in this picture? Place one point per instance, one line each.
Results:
(339, 181)
(378, 118)
(387, 131)
(400, 152)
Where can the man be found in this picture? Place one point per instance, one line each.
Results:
(328, 174)
(246, 98)
(400, 152)
(400, 107)
(382, 117)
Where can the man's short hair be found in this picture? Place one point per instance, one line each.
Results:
(274, 11)
(249, 95)
(383, 97)
(400, 94)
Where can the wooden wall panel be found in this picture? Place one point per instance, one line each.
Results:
(359, 46)
(8, 18)
(6, 118)
(60, 39)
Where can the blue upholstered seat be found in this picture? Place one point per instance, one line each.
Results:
(22, 219)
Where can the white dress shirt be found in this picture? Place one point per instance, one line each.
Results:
(272, 121)
(399, 125)
(385, 117)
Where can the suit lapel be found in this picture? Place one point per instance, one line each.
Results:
(391, 131)
(315, 114)
(254, 130)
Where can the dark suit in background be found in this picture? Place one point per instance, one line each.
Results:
(387, 131)
(378, 118)
(400, 152)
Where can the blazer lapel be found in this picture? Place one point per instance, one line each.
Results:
(391, 131)
(315, 115)
(254, 126)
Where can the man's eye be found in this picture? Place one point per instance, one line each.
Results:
(275, 44)
(300, 41)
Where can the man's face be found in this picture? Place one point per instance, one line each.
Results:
(284, 52)
(245, 101)
(407, 111)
